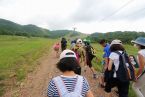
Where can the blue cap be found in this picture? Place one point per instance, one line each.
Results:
(140, 41)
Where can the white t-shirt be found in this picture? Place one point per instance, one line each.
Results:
(115, 57)
(142, 52)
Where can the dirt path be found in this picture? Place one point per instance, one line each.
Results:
(35, 85)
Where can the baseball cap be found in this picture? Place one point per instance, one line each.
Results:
(67, 53)
(116, 41)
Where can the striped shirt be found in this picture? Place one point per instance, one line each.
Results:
(69, 83)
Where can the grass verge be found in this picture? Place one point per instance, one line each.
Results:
(18, 56)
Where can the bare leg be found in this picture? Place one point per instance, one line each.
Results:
(107, 94)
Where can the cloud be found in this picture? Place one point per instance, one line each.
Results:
(98, 10)
(91, 10)
(87, 15)
(133, 11)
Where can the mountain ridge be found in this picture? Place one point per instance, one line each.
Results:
(11, 28)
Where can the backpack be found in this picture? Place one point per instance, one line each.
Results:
(79, 51)
(62, 90)
(63, 42)
(90, 51)
(126, 71)
(56, 47)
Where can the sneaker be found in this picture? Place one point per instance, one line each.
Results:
(94, 76)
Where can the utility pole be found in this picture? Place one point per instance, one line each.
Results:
(74, 28)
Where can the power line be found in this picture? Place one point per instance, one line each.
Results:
(138, 11)
(126, 4)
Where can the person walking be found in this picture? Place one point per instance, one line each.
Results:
(80, 53)
(56, 48)
(68, 84)
(90, 54)
(106, 51)
(105, 62)
(140, 75)
(63, 44)
(115, 74)
(73, 43)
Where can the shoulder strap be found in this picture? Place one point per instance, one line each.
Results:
(122, 55)
(123, 59)
(62, 90)
(79, 85)
(117, 52)
(141, 74)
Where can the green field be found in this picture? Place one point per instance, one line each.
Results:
(18, 56)
(99, 52)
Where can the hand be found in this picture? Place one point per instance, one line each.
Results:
(135, 80)
(105, 66)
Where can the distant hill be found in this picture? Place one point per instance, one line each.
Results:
(10, 28)
(125, 36)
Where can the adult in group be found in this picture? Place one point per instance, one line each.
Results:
(68, 84)
(79, 50)
(90, 54)
(63, 44)
(56, 48)
(116, 75)
(106, 51)
(105, 62)
(73, 43)
(140, 75)
(80, 53)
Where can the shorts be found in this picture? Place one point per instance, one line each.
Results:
(123, 87)
(63, 47)
(89, 61)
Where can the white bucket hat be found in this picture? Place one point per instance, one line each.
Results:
(116, 41)
(67, 53)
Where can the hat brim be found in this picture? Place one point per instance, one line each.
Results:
(135, 42)
(115, 44)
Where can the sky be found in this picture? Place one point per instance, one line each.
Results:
(87, 16)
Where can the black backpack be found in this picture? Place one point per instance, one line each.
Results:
(63, 42)
(90, 51)
(126, 71)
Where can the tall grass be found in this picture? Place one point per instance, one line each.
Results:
(18, 56)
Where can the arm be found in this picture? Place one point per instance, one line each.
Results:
(51, 90)
(87, 87)
(89, 94)
(84, 54)
(110, 64)
(106, 56)
(141, 65)
(106, 63)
